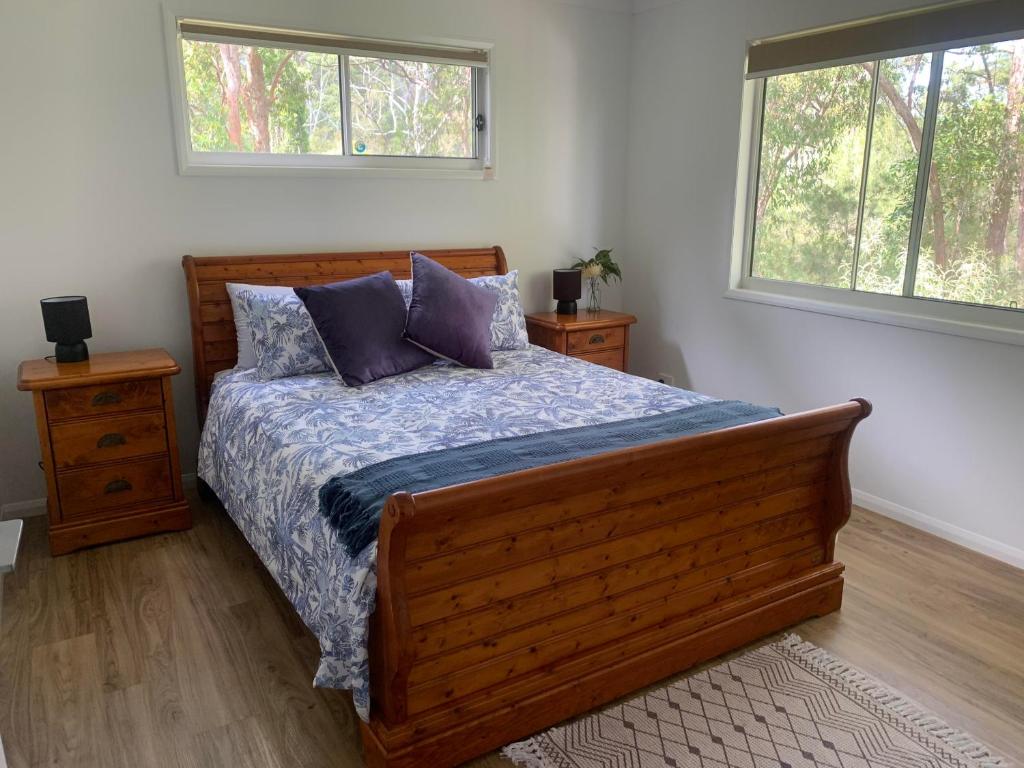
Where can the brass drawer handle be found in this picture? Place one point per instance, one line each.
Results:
(597, 338)
(117, 486)
(106, 398)
(111, 440)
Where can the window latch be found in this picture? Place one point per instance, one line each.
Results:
(480, 122)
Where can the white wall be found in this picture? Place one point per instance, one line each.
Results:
(946, 441)
(91, 202)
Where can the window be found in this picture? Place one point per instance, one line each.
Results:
(255, 97)
(864, 184)
(882, 171)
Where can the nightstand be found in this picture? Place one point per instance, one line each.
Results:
(600, 337)
(109, 447)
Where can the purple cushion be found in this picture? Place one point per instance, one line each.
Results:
(450, 316)
(360, 323)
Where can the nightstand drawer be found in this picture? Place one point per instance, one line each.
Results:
(612, 358)
(117, 437)
(104, 398)
(86, 492)
(590, 341)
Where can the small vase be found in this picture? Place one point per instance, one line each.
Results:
(594, 305)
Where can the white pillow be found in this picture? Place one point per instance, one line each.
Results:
(508, 325)
(243, 324)
(284, 339)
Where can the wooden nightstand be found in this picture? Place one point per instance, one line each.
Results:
(109, 447)
(600, 337)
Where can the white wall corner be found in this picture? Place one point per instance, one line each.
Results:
(955, 534)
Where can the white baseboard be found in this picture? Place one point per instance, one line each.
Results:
(19, 509)
(975, 541)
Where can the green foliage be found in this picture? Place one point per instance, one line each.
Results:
(300, 94)
(411, 108)
(207, 116)
(294, 106)
(971, 277)
(600, 265)
(812, 154)
(810, 174)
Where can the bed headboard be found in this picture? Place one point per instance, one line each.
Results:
(213, 328)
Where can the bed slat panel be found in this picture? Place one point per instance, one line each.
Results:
(471, 670)
(332, 268)
(451, 539)
(680, 568)
(788, 556)
(616, 518)
(748, 525)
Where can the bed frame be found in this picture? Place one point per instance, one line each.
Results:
(509, 604)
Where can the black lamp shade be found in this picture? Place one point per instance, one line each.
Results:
(66, 320)
(568, 286)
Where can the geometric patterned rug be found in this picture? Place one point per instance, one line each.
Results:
(786, 705)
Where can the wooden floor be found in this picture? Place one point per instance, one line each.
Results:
(179, 650)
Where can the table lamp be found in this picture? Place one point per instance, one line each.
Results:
(66, 320)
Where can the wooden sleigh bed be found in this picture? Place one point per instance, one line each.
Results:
(509, 604)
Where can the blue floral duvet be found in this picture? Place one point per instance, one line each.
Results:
(268, 447)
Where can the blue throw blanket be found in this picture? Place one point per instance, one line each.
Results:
(353, 503)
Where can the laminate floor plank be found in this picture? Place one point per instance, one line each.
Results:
(179, 650)
(241, 744)
(280, 689)
(66, 694)
(132, 739)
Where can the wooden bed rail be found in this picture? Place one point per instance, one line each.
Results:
(509, 604)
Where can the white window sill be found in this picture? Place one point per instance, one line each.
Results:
(230, 164)
(919, 314)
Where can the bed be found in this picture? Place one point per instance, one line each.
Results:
(489, 610)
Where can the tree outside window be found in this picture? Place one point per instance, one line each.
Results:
(837, 186)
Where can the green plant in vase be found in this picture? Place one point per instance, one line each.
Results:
(600, 268)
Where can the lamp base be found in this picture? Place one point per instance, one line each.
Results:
(566, 308)
(75, 352)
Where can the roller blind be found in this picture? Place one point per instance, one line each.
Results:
(194, 29)
(926, 29)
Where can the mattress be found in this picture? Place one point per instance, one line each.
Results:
(268, 447)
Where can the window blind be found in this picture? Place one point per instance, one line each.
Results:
(925, 29)
(193, 29)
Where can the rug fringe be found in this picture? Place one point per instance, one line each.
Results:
(930, 723)
(526, 753)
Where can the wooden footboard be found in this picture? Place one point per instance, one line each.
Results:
(507, 605)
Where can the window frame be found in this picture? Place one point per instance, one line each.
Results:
(988, 322)
(192, 162)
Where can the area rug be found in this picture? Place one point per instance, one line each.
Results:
(786, 705)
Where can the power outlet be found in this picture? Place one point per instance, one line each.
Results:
(666, 378)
